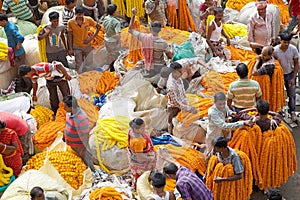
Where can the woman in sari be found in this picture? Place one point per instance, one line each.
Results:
(10, 148)
(141, 154)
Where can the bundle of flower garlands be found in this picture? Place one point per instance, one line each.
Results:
(272, 89)
(233, 190)
(105, 193)
(90, 110)
(202, 105)
(284, 10)
(47, 133)
(41, 114)
(107, 81)
(88, 81)
(168, 34)
(237, 4)
(98, 41)
(272, 153)
(67, 163)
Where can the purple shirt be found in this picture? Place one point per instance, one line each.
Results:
(190, 186)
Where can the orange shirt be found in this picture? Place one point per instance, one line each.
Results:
(80, 33)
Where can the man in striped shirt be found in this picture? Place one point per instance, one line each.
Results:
(53, 79)
(68, 12)
(76, 133)
(21, 9)
(244, 92)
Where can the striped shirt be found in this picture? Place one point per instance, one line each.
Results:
(190, 186)
(77, 129)
(20, 10)
(243, 92)
(159, 13)
(67, 15)
(42, 70)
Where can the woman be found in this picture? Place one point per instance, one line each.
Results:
(141, 154)
(10, 148)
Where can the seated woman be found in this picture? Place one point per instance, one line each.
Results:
(142, 156)
(10, 148)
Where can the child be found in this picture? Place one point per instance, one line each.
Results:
(37, 193)
(215, 30)
(158, 182)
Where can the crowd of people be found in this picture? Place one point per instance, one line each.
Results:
(228, 112)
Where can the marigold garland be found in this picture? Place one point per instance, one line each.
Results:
(237, 4)
(185, 19)
(41, 114)
(172, 14)
(138, 4)
(233, 190)
(107, 81)
(105, 193)
(90, 110)
(88, 81)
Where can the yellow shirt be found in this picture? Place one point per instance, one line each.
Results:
(138, 145)
(80, 33)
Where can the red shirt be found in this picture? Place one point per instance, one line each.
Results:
(295, 4)
(203, 7)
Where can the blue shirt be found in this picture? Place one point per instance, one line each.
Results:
(14, 37)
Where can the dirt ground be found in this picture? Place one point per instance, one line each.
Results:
(291, 189)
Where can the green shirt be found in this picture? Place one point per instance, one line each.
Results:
(112, 27)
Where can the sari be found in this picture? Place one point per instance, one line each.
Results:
(13, 160)
(141, 161)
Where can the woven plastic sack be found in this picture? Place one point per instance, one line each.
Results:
(59, 9)
(25, 27)
(185, 50)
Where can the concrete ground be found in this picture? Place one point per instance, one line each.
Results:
(291, 189)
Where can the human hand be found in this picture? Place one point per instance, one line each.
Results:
(87, 40)
(133, 11)
(47, 30)
(248, 123)
(210, 10)
(70, 52)
(193, 110)
(228, 41)
(18, 46)
(68, 77)
(34, 98)
(233, 114)
(292, 82)
(218, 179)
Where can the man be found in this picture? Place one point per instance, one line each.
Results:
(294, 10)
(112, 29)
(176, 95)
(156, 10)
(21, 9)
(261, 28)
(288, 56)
(227, 155)
(92, 8)
(189, 185)
(265, 63)
(54, 80)
(56, 46)
(190, 69)
(79, 41)
(76, 133)
(15, 40)
(218, 115)
(153, 47)
(244, 92)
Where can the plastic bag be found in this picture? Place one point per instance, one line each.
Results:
(185, 50)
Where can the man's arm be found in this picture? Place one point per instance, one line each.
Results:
(209, 31)
(296, 68)
(44, 33)
(148, 6)
(63, 39)
(60, 68)
(34, 90)
(70, 41)
(255, 68)
(229, 103)
(131, 23)
(230, 178)
(225, 35)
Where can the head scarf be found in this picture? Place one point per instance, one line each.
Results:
(261, 4)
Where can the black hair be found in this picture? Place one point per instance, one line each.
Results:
(70, 101)
(3, 17)
(170, 168)
(53, 15)
(219, 96)
(175, 65)
(220, 142)
(36, 192)
(158, 179)
(286, 36)
(2, 124)
(261, 0)
(136, 123)
(23, 70)
(111, 8)
(165, 72)
(156, 26)
(68, 2)
(262, 107)
(218, 10)
(274, 194)
(79, 10)
(242, 70)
